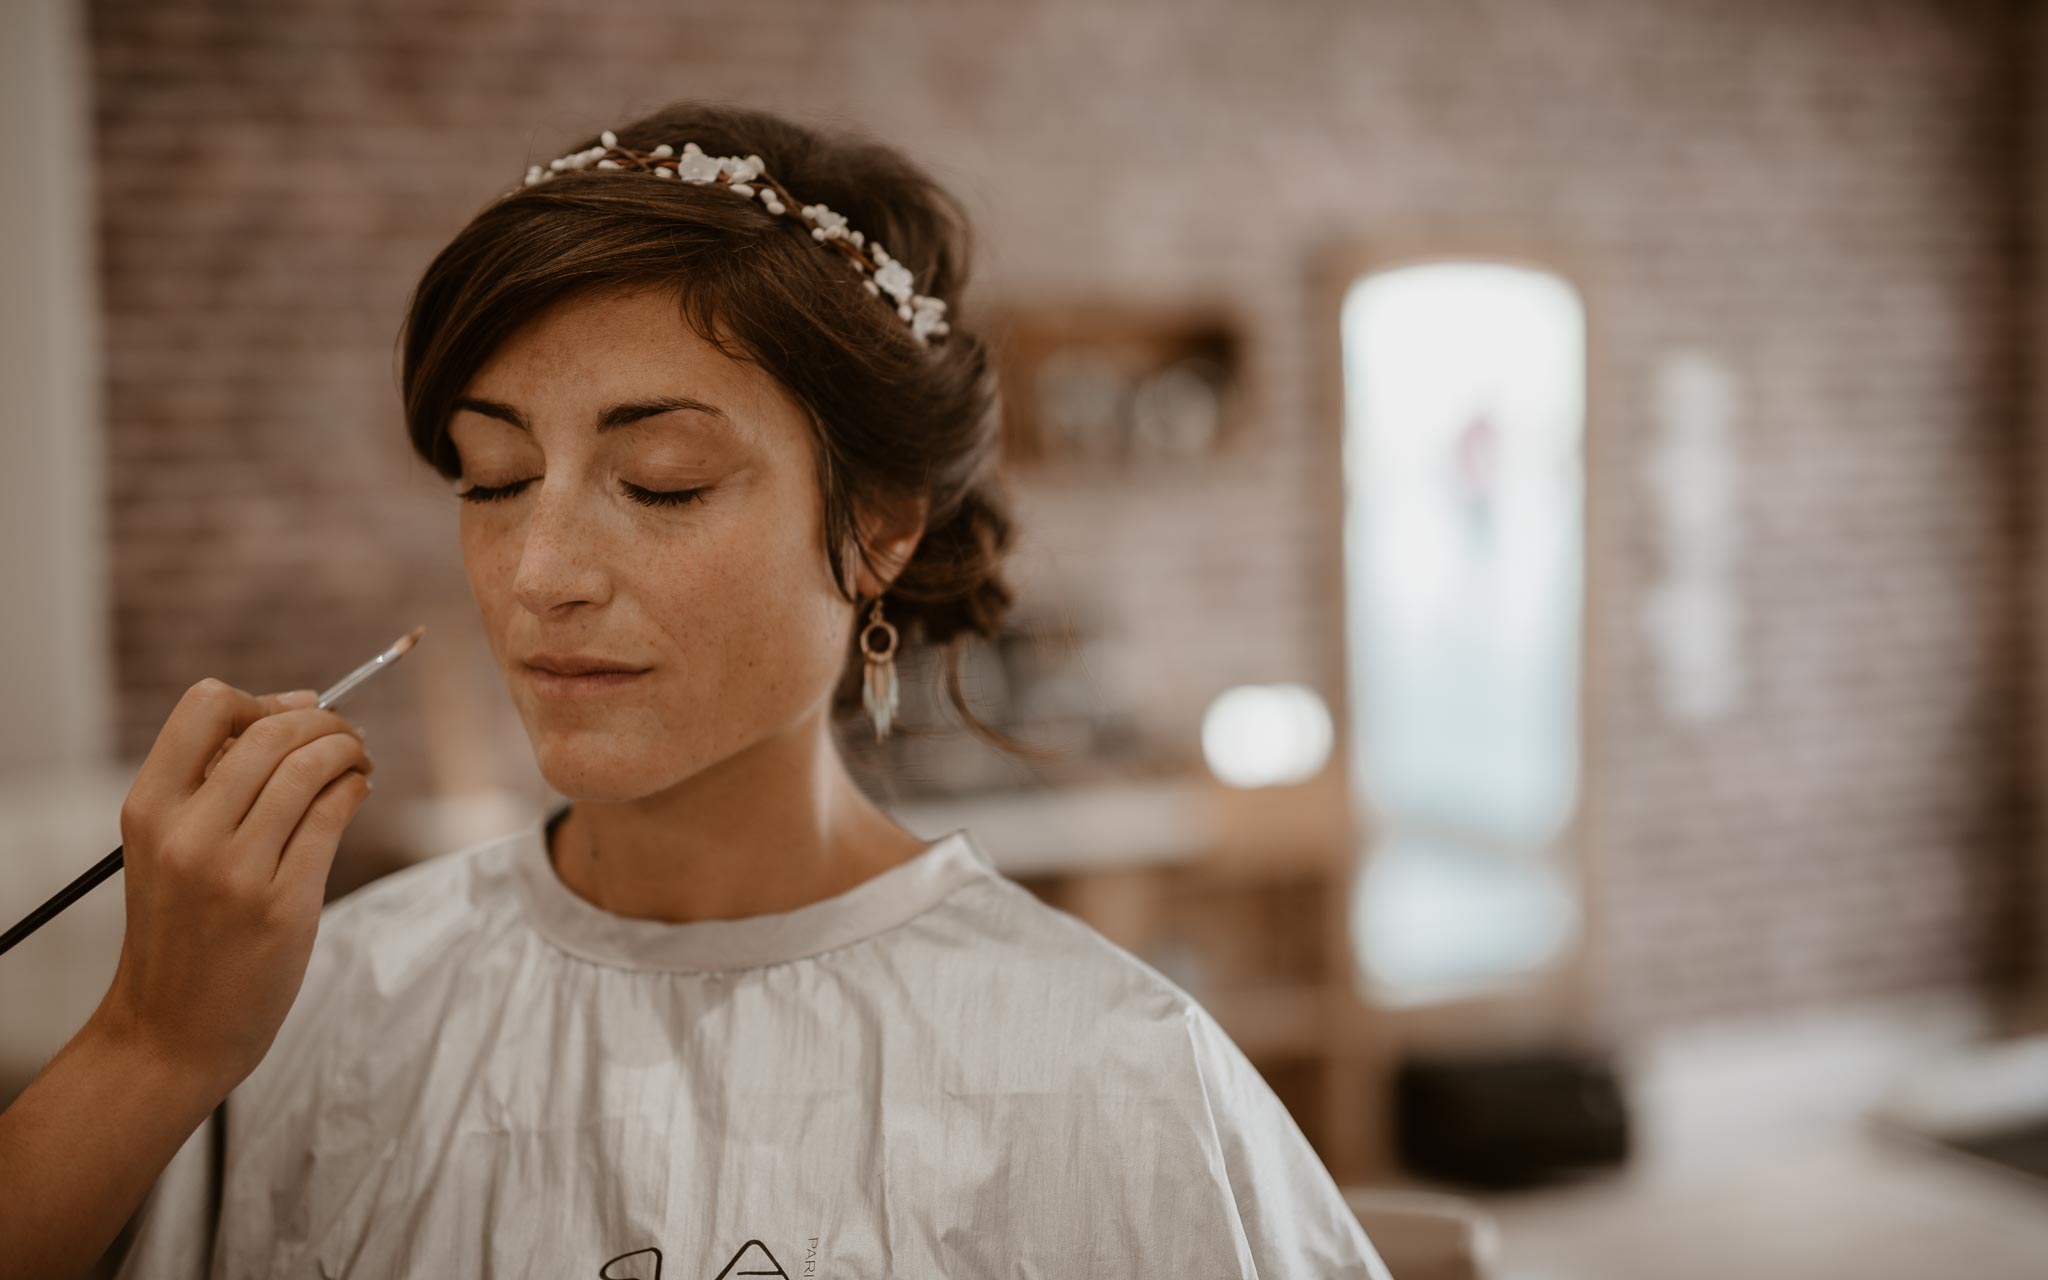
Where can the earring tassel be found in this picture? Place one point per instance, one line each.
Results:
(880, 695)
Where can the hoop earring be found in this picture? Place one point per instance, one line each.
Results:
(879, 694)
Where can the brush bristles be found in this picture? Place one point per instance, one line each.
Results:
(407, 641)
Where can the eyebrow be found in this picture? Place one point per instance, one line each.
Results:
(623, 414)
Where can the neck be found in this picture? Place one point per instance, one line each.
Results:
(769, 829)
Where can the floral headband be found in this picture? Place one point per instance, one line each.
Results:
(744, 176)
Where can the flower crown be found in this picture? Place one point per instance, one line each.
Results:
(744, 176)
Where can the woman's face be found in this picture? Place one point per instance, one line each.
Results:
(724, 598)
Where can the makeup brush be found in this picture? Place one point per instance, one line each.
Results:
(112, 862)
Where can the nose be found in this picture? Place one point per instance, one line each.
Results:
(562, 560)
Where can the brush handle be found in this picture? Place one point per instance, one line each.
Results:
(108, 865)
(69, 894)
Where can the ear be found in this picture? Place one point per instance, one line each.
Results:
(891, 534)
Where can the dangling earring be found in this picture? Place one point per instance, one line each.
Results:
(879, 696)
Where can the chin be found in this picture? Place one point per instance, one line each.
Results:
(595, 766)
(595, 785)
(611, 767)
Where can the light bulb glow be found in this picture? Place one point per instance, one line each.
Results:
(1266, 735)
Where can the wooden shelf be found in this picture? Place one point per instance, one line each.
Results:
(1278, 1021)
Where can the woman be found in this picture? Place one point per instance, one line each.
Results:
(720, 1015)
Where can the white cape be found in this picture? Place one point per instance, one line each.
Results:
(931, 1074)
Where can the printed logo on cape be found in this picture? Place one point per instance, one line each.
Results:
(645, 1264)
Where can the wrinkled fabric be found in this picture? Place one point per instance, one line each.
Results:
(931, 1074)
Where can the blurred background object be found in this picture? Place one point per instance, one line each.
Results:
(1531, 550)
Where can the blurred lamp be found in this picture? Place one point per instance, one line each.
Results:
(1266, 735)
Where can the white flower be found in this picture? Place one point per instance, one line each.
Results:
(695, 166)
(894, 277)
(926, 319)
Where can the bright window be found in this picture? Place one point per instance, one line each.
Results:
(1464, 565)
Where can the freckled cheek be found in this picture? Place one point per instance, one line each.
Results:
(491, 561)
(707, 606)
(752, 603)
(476, 562)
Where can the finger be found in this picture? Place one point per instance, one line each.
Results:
(210, 711)
(191, 734)
(297, 782)
(301, 879)
(230, 793)
(215, 762)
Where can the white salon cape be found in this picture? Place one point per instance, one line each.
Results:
(931, 1074)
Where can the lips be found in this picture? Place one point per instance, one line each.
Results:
(572, 664)
(596, 684)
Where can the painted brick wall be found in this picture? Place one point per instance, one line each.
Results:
(1825, 196)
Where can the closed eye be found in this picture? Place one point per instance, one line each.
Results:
(661, 498)
(645, 497)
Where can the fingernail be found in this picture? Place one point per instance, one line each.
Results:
(299, 698)
(357, 730)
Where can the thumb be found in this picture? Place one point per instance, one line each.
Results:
(297, 698)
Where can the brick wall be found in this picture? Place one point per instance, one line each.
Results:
(1825, 196)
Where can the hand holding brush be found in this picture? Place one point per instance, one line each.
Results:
(227, 835)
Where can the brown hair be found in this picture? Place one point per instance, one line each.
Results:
(892, 419)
